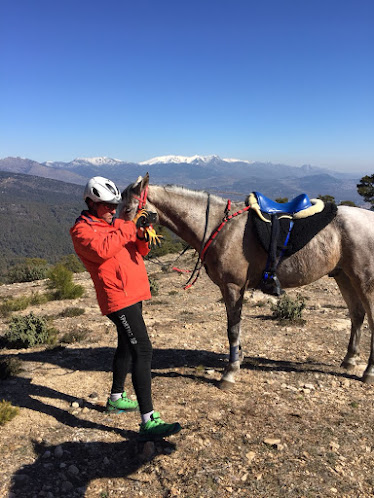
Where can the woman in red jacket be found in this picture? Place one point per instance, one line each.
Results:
(112, 251)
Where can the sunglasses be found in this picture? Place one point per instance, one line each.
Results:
(108, 205)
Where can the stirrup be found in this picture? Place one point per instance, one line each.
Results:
(271, 285)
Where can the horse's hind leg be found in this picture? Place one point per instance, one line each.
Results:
(233, 297)
(357, 315)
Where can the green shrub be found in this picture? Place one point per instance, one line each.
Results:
(14, 304)
(76, 335)
(289, 309)
(21, 303)
(7, 412)
(28, 331)
(72, 263)
(29, 270)
(71, 312)
(37, 298)
(62, 285)
(9, 367)
(153, 285)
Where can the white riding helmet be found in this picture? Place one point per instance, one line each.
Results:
(100, 189)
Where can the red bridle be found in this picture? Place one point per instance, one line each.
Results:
(142, 199)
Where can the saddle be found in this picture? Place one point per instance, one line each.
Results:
(285, 228)
(300, 207)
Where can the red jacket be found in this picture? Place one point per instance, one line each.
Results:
(113, 256)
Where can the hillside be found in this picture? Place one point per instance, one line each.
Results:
(35, 217)
(295, 424)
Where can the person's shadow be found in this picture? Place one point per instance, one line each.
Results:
(97, 459)
(68, 469)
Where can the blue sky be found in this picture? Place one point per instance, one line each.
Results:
(288, 81)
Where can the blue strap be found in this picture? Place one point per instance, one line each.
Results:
(266, 272)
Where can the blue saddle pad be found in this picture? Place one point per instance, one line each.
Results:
(269, 206)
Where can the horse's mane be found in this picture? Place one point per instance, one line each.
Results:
(199, 194)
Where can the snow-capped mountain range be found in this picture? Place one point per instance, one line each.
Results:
(188, 160)
(237, 176)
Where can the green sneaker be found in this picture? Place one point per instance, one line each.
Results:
(123, 404)
(156, 428)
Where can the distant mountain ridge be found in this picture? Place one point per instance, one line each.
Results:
(200, 172)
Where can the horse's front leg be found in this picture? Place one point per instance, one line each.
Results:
(233, 297)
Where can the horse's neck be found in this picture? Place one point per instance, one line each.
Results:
(186, 212)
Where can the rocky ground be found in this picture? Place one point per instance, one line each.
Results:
(295, 424)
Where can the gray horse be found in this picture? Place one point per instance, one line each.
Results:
(236, 260)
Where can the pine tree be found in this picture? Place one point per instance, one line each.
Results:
(366, 189)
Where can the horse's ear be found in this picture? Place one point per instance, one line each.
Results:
(140, 184)
(145, 181)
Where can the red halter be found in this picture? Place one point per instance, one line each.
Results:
(142, 199)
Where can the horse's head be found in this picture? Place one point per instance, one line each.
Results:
(131, 198)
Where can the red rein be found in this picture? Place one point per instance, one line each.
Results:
(226, 218)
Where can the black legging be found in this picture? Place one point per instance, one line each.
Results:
(133, 353)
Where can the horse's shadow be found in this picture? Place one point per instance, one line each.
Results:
(25, 394)
(67, 469)
(182, 360)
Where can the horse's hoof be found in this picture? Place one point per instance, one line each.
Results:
(348, 365)
(368, 378)
(225, 385)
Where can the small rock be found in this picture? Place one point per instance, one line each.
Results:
(334, 446)
(106, 461)
(309, 386)
(174, 492)
(66, 486)
(73, 470)
(93, 396)
(58, 452)
(47, 454)
(250, 456)
(272, 442)
(75, 404)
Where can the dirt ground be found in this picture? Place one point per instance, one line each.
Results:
(295, 424)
